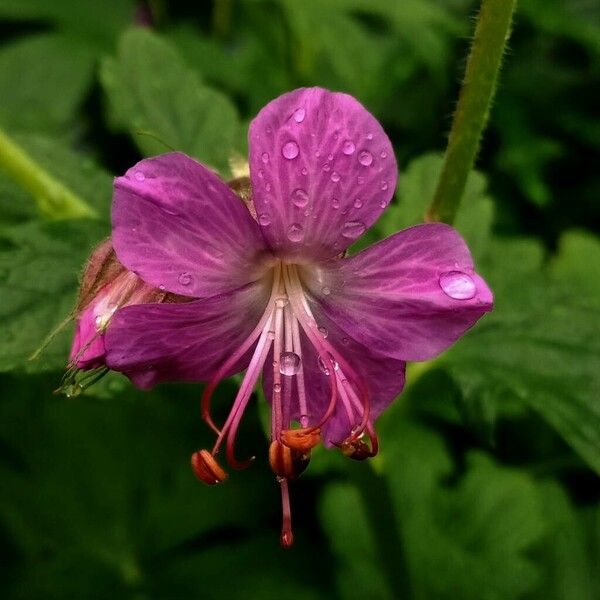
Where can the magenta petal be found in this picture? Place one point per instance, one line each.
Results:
(322, 171)
(180, 228)
(187, 341)
(408, 297)
(383, 376)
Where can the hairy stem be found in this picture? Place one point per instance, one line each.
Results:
(476, 96)
(54, 200)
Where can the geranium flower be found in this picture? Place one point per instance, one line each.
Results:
(275, 294)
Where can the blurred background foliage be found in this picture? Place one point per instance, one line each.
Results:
(487, 483)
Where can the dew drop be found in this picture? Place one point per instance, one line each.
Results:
(353, 229)
(264, 219)
(304, 420)
(300, 198)
(139, 176)
(365, 158)
(326, 167)
(325, 290)
(261, 173)
(185, 279)
(323, 331)
(335, 203)
(281, 302)
(268, 187)
(323, 366)
(335, 177)
(348, 148)
(265, 157)
(162, 288)
(290, 150)
(383, 154)
(289, 363)
(383, 204)
(458, 285)
(358, 203)
(384, 185)
(330, 157)
(304, 171)
(299, 115)
(369, 136)
(277, 388)
(295, 232)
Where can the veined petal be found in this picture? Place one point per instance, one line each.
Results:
(181, 229)
(187, 341)
(408, 297)
(322, 171)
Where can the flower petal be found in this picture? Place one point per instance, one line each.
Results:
(186, 341)
(408, 297)
(322, 171)
(383, 376)
(180, 228)
(87, 350)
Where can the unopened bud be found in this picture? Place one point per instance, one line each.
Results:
(207, 469)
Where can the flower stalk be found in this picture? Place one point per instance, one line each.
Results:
(53, 199)
(474, 102)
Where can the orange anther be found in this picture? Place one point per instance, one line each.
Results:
(207, 469)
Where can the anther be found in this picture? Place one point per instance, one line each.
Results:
(303, 439)
(207, 469)
(286, 462)
(356, 449)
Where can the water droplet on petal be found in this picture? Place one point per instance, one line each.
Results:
(384, 185)
(330, 157)
(299, 115)
(325, 290)
(358, 203)
(300, 198)
(289, 363)
(383, 204)
(261, 173)
(295, 232)
(265, 157)
(383, 154)
(139, 176)
(323, 331)
(305, 171)
(458, 285)
(360, 180)
(290, 150)
(264, 219)
(369, 136)
(365, 158)
(185, 279)
(162, 288)
(348, 148)
(268, 187)
(335, 177)
(353, 229)
(335, 203)
(326, 167)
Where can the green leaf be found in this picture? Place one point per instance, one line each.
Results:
(39, 267)
(541, 344)
(468, 540)
(149, 88)
(45, 95)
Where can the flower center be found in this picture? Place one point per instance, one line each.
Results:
(288, 340)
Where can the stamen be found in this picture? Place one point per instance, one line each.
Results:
(207, 469)
(287, 463)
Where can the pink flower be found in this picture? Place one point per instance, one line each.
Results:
(276, 295)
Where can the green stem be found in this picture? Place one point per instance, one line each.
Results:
(478, 89)
(54, 200)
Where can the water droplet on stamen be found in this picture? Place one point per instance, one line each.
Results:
(295, 232)
(277, 388)
(348, 148)
(304, 420)
(458, 285)
(264, 219)
(299, 115)
(335, 177)
(323, 331)
(290, 150)
(289, 363)
(185, 279)
(325, 290)
(300, 198)
(139, 176)
(323, 366)
(353, 229)
(365, 158)
(265, 157)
